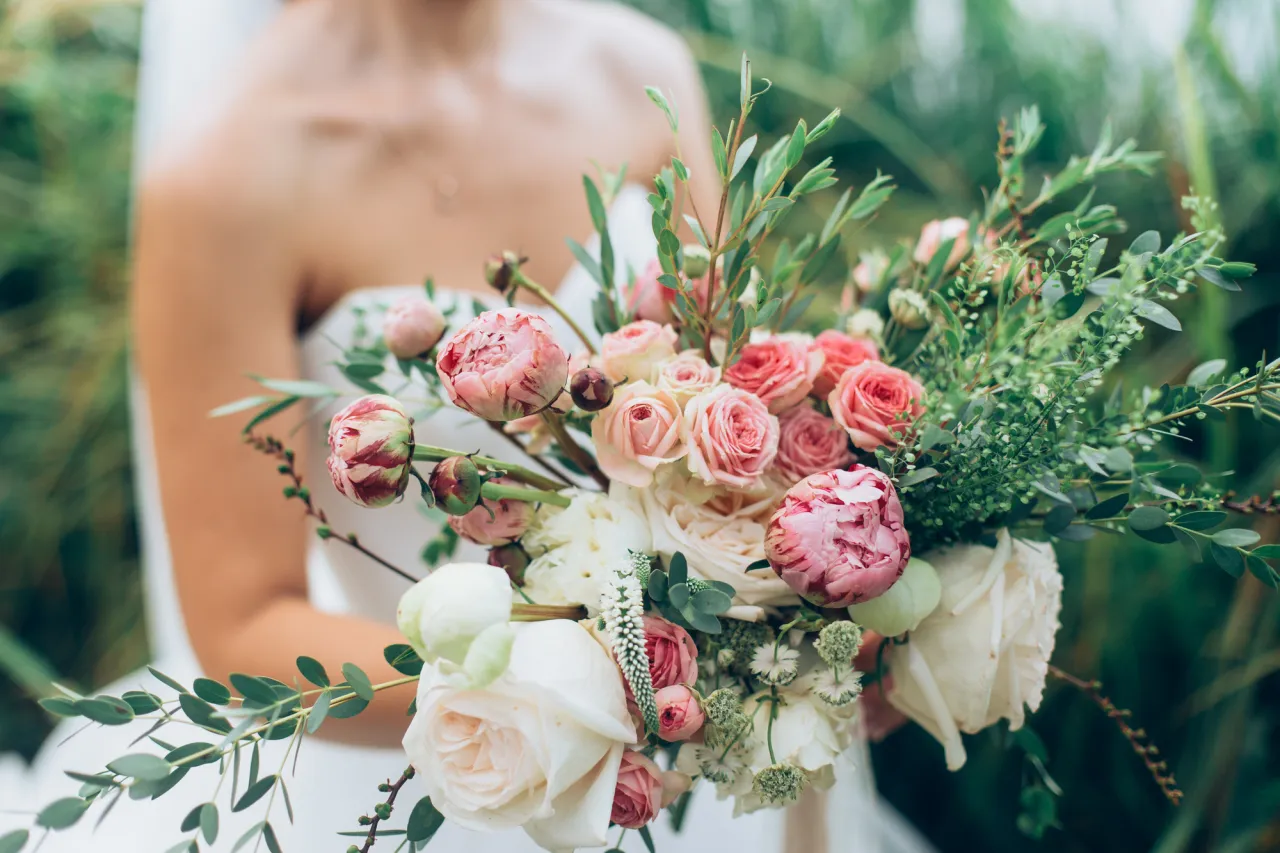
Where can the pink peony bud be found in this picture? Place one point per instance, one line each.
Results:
(371, 450)
(638, 797)
(509, 520)
(455, 482)
(780, 371)
(810, 442)
(680, 716)
(875, 403)
(937, 232)
(500, 270)
(841, 353)
(647, 298)
(631, 353)
(412, 327)
(838, 537)
(590, 389)
(673, 657)
(503, 365)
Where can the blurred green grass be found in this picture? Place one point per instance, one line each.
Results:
(1194, 654)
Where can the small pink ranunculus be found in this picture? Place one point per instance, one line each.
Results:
(938, 231)
(673, 657)
(732, 438)
(873, 401)
(838, 537)
(647, 298)
(809, 442)
(680, 716)
(686, 375)
(630, 353)
(841, 353)
(780, 371)
(503, 365)
(511, 518)
(638, 432)
(412, 326)
(371, 450)
(638, 797)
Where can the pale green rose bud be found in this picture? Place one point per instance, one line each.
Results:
(901, 609)
(697, 260)
(865, 323)
(488, 656)
(909, 308)
(443, 613)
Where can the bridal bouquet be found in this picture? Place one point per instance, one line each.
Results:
(729, 547)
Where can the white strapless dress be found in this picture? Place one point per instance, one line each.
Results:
(334, 784)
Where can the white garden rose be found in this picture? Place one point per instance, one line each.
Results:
(576, 549)
(442, 613)
(539, 748)
(984, 653)
(720, 533)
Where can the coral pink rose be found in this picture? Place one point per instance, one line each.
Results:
(631, 352)
(937, 232)
(639, 431)
(780, 371)
(840, 352)
(371, 450)
(412, 327)
(732, 437)
(673, 657)
(809, 442)
(686, 376)
(647, 298)
(680, 717)
(871, 400)
(503, 365)
(638, 797)
(838, 537)
(510, 520)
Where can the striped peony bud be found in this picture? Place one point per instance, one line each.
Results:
(456, 483)
(371, 450)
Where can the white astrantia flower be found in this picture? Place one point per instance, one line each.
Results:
(983, 654)
(836, 688)
(775, 663)
(725, 768)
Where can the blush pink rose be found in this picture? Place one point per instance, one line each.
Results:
(638, 797)
(647, 298)
(673, 657)
(412, 327)
(809, 442)
(838, 537)
(686, 375)
(840, 352)
(371, 450)
(732, 438)
(638, 432)
(511, 518)
(680, 716)
(780, 371)
(873, 401)
(937, 232)
(631, 352)
(503, 365)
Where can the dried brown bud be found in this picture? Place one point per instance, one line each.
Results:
(500, 270)
(590, 389)
(512, 559)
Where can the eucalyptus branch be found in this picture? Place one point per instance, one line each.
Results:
(1225, 399)
(519, 473)
(572, 449)
(519, 279)
(383, 810)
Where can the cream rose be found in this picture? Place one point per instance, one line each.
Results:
(685, 376)
(984, 653)
(538, 749)
(576, 548)
(630, 353)
(639, 431)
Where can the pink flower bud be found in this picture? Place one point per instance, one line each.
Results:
(500, 270)
(455, 482)
(412, 327)
(494, 523)
(839, 537)
(647, 298)
(680, 716)
(638, 797)
(512, 559)
(371, 450)
(673, 657)
(937, 232)
(503, 365)
(591, 390)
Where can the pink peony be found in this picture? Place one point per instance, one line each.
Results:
(680, 717)
(647, 298)
(780, 371)
(841, 353)
(412, 327)
(838, 537)
(638, 432)
(638, 797)
(809, 442)
(673, 657)
(938, 231)
(630, 353)
(732, 437)
(503, 365)
(508, 523)
(873, 401)
(371, 450)
(686, 375)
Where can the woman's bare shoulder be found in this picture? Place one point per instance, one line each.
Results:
(635, 48)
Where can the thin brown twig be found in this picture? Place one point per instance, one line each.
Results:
(572, 449)
(1252, 505)
(1137, 738)
(393, 789)
(542, 463)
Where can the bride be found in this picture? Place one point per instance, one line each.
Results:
(287, 186)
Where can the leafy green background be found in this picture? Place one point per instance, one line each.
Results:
(1191, 652)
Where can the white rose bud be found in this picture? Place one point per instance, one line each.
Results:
(487, 657)
(865, 323)
(444, 612)
(914, 596)
(909, 308)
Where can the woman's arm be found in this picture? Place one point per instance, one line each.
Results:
(216, 292)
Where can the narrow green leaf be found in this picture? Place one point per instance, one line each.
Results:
(1157, 313)
(61, 814)
(919, 475)
(254, 792)
(1229, 560)
(250, 834)
(719, 154)
(1236, 537)
(211, 691)
(319, 710)
(743, 154)
(149, 768)
(241, 405)
(668, 109)
(166, 680)
(795, 147)
(106, 710)
(59, 706)
(1204, 373)
(269, 836)
(646, 838)
(1147, 518)
(1200, 519)
(209, 822)
(1268, 552)
(1110, 508)
(12, 842)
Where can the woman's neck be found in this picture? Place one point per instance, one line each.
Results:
(423, 30)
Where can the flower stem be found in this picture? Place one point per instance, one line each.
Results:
(546, 612)
(498, 492)
(521, 280)
(580, 457)
(427, 453)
